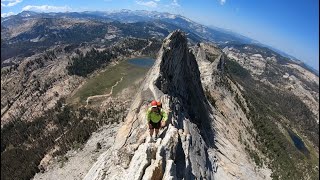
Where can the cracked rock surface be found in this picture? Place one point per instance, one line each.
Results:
(186, 146)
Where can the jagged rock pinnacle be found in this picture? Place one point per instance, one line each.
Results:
(181, 151)
(179, 77)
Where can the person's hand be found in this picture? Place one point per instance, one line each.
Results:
(163, 124)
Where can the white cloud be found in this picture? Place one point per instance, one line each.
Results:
(13, 3)
(157, 0)
(9, 3)
(175, 3)
(46, 8)
(147, 3)
(7, 14)
(222, 2)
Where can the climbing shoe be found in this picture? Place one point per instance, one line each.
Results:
(149, 139)
(155, 138)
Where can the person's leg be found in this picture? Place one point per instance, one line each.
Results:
(151, 128)
(157, 132)
(151, 132)
(157, 127)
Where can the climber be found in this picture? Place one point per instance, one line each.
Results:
(155, 118)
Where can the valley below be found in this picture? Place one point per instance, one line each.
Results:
(75, 88)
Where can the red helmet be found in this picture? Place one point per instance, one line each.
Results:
(154, 103)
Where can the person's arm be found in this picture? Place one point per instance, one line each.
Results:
(164, 115)
(148, 115)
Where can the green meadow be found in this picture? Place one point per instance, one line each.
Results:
(102, 82)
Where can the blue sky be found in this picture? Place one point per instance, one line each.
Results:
(289, 25)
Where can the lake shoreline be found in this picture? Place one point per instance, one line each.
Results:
(145, 62)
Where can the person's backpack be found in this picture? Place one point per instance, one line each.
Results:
(159, 104)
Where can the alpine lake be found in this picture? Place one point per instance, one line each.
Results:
(124, 74)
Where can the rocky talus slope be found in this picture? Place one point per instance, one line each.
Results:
(234, 132)
(274, 71)
(36, 85)
(186, 147)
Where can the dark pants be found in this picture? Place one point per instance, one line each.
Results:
(153, 125)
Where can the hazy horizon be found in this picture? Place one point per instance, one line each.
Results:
(289, 26)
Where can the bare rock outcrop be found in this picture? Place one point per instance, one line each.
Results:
(35, 85)
(288, 76)
(186, 147)
(230, 121)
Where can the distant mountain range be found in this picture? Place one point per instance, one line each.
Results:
(163, 20)
(127, 16)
